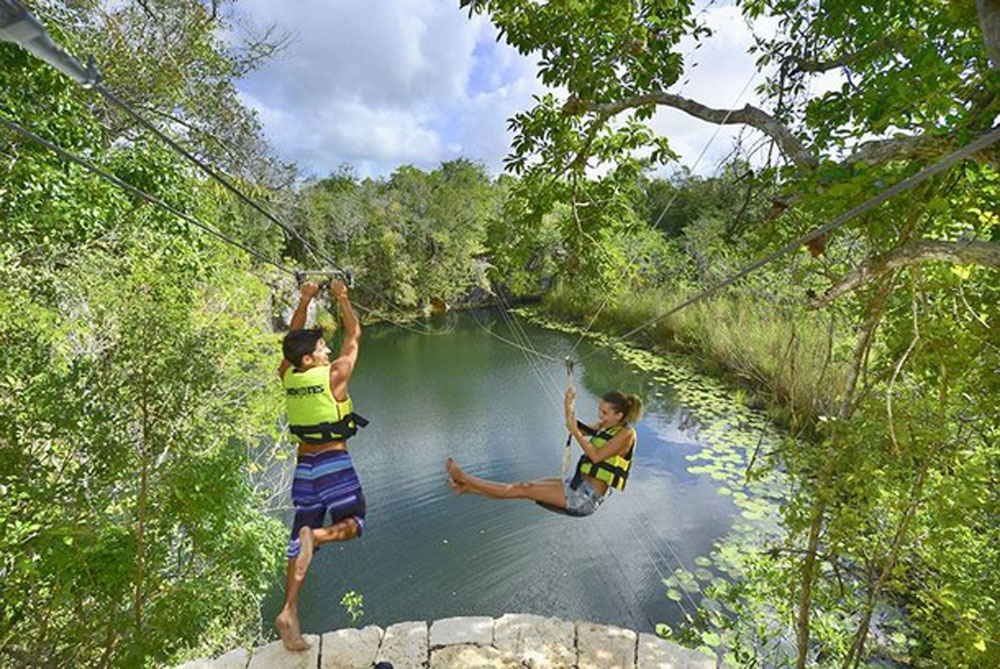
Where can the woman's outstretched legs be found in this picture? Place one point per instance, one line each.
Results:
(549, 491)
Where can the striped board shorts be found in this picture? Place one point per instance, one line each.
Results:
(325, 482)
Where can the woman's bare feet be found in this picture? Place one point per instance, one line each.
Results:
(287, 623)
(305, 552)
(456, 487)
(456, 477)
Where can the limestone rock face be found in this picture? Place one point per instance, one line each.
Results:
(538, 642)
(274, 656)
(657, 653)
(468, 656)
(197, 664)
(404, 645)
(234, 659)
(605, 647)
(470, 630)
(351, 648)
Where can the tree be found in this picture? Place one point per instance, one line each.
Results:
(920, 79)
(136, 410)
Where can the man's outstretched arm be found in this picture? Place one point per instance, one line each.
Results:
(343, 366)
(307, 291)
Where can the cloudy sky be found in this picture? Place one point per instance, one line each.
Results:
(380, 84)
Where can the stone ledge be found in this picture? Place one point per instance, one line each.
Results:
(514, 641)
(476, 630)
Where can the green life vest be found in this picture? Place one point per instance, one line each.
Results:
(614, 470)
(314, 414)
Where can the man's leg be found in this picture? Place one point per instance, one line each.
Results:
(344, 530)
(549, 491)
(287, 621)
(300, 549)
(347, 515)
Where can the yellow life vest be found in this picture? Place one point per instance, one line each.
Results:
(315, 416)
(614, 470)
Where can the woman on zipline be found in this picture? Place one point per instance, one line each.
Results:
(608, 448)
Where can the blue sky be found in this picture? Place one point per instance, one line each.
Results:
(380, 84)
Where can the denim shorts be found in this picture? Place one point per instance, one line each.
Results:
(584, 500)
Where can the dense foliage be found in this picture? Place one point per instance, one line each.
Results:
(136, 413)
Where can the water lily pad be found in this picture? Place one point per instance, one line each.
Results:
(711, 639)
(690, 586)
(711, 604)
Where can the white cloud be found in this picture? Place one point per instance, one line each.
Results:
(384, 83)
(379, 84)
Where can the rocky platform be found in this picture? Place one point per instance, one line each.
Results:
(513, 641)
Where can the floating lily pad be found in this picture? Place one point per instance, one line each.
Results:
(711, 639)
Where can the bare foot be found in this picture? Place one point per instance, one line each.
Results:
(287, 623)
(455, 472)
(456, 487)
(305, 552)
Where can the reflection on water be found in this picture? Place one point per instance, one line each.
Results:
(427, 554)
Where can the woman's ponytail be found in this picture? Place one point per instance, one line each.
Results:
(633, 411)
(627, 404)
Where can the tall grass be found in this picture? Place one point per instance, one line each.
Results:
(783, 355)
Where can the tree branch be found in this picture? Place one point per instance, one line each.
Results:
(986, 254)
(880, 151)
(748, 115)
(818, 66)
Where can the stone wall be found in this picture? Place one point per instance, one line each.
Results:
(513, 641)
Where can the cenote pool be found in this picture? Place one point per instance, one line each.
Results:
(462, 392)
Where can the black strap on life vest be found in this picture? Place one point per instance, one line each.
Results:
(587, 466)
(340, 430)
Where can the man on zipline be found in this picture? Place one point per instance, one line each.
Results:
(321, 418)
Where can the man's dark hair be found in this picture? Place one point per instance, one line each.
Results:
(299, 343)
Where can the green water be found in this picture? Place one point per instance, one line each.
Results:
(427, 554)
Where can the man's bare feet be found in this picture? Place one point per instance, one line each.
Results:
(305, 552)
(287, 623)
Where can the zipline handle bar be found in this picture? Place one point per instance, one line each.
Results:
(346, 275)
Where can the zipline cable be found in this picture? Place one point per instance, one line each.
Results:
(210, 171)
(124, 185)
(516, 345)
(526, 352)
(663, 578)
(986, 139)
(517, 326)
